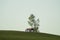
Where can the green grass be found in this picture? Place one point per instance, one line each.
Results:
(16, 35)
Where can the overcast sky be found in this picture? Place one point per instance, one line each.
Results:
(14, 14)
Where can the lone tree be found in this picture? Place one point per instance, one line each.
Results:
(33, 22)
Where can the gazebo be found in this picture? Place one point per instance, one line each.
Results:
(29, 30)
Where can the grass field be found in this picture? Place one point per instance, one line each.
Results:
(18, 35)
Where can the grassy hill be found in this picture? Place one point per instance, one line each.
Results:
(18, 35)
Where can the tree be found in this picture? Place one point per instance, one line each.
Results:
(33, 23)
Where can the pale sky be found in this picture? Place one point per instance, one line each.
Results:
(14, 14)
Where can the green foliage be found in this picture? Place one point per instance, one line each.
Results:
(33, 23)
(31, 18)
(30, 23)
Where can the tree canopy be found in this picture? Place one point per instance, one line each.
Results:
(34, 23)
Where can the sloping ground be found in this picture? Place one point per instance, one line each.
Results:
(16, 35)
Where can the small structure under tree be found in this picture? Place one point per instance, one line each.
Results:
(33, 23)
